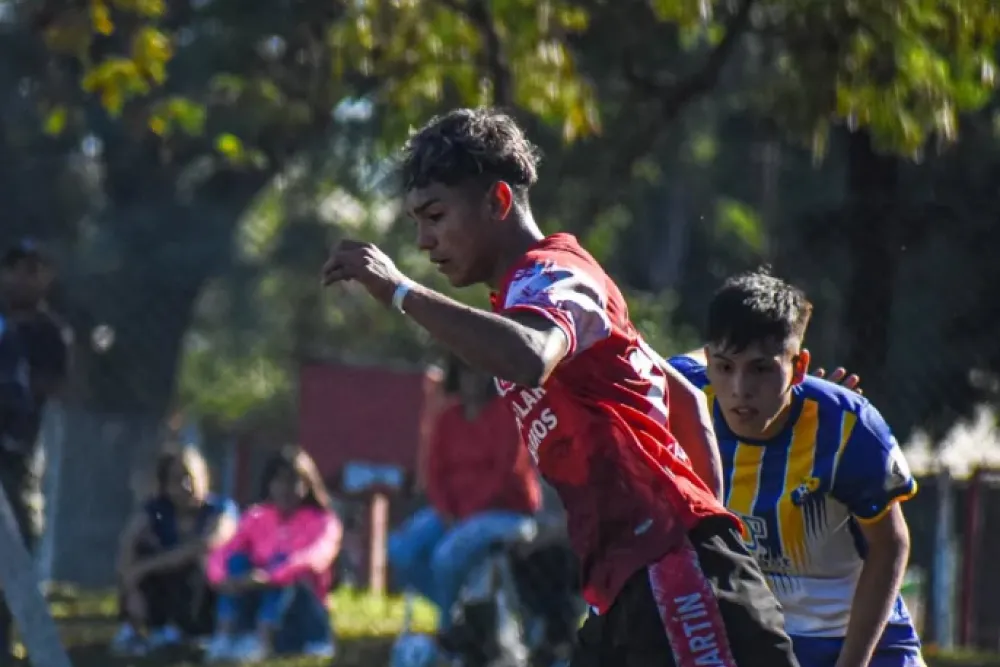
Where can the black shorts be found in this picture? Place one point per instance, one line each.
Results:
(706, 604)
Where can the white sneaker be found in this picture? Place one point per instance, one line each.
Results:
(168, 635)
(319, 650)
(128, 642)
(219, 648)
(248, 649)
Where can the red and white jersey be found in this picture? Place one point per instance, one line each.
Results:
(598, 427)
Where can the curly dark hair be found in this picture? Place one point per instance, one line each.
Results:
(483, 145)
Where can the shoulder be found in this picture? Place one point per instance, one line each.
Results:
(833, 396)
(219, 505)
(553, 266)
(692, 369)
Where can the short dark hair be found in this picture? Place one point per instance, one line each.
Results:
(470, 144)
(755, 307)
(26, 249)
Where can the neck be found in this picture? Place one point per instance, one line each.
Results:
(523, 233)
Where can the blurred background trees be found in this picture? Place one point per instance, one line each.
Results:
(191, 161)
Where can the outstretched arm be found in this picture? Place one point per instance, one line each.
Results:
(522, 347)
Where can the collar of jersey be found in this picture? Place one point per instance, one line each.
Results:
(781, 438)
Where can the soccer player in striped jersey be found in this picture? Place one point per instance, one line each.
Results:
(816, 475)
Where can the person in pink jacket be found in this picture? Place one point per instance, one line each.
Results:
(273, 575)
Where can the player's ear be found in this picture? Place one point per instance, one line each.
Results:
(800, 366)
(501, 200)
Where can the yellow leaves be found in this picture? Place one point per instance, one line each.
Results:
(151, 51)
(119, 77)
(100, 17)
(115, 81)
(55, 121)
(423, 52)
(177, 112)
(230, 147)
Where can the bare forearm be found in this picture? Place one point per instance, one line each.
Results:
(878, 586)
(691, 424)
(486, 341)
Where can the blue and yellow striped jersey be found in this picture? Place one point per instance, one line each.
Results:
(802, 494)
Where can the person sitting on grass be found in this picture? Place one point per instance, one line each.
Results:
(164, 595)
(272, 577)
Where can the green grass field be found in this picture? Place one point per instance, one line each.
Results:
(366, 627)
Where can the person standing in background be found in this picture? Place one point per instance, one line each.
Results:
(481, 486)
(26, 274)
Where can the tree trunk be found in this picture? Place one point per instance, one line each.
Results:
(870, 228)
(133, 298)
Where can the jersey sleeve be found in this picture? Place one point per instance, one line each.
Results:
(872, 472)
(690, 369)
(567, 296)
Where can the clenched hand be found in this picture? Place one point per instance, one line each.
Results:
(365, 263)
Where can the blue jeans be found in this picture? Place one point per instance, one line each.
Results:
(428, 557)
(824, 651)
(297, 616)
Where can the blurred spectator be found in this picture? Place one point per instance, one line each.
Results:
(481, 486)
(274, 574)
(165, 596)
(25, 277)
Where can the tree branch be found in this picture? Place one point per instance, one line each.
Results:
(495, 57)
(672, 95)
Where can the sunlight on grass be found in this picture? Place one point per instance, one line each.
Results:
(361, 614)
(355, 613)
(366, 625)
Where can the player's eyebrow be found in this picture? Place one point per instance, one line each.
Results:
(420, 208)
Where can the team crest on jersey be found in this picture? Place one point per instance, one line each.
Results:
(804, 491)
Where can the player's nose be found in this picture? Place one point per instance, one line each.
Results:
(741, 385)
(425, 238)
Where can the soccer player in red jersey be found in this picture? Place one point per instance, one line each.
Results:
(664, 567)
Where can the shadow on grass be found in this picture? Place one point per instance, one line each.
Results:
(352, 652)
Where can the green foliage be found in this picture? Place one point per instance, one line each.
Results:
(905, 69)
(404, 58)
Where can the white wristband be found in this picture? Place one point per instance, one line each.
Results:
(402, 289)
